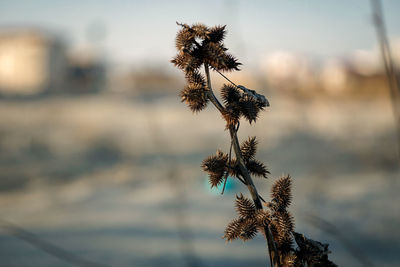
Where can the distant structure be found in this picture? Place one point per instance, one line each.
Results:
(31, 62)
(361, 74)
(35, 62)
(86, 73)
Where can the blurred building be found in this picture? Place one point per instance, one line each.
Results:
(289, 71)
(147, 81)
(360, 74)
(86, 72)
(335, 76)
(31, 62)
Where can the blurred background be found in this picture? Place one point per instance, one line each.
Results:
(100, 162)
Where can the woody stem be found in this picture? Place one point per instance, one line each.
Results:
(272, 250)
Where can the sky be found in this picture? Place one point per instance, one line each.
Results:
(143, 32)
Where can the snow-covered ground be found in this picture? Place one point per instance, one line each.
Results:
(117, 181)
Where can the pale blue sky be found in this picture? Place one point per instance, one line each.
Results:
(144, 31)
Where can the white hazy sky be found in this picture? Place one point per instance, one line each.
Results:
(144, 31)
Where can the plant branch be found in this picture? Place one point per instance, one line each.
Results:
(273, 252)
(229, 166)
(244, 182)
(210, 92)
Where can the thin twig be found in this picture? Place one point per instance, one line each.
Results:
(229, 166)
(226, 78)
(47, 247)
(272, 250)
(393, 81)
(244, 182)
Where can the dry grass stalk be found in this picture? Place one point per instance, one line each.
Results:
(393, 77)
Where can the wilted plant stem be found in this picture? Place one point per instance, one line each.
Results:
(272, 250)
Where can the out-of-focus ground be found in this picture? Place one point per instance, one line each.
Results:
(116, 179)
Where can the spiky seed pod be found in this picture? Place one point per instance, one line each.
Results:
(273, 206)
(234, 169)
(285, 245)
(245, 207)
(273, 226)
(286, 221)
(186, 62)
(231, 114)
(215, 180)
(285, 225)
(257, 168)
(231, 63)
(184, 39)
(215, 166)
(290, 260)
(249, 148)
(193, 63)
(194, 96)
(230, 94)
(180, 60)
(281, 192)
(196, 79)
(214, 55)
(249, 230)
(219, 59)
(233, 230)
(263, 218)
(217, 34)
(249, 109)
(282, 236)
(200, 30)
(214, 51)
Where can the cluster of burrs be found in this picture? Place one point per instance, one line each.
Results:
(200, 46)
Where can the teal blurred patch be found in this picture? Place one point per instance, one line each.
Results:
(229, 188)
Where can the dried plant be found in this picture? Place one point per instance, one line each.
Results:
(201, 46)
